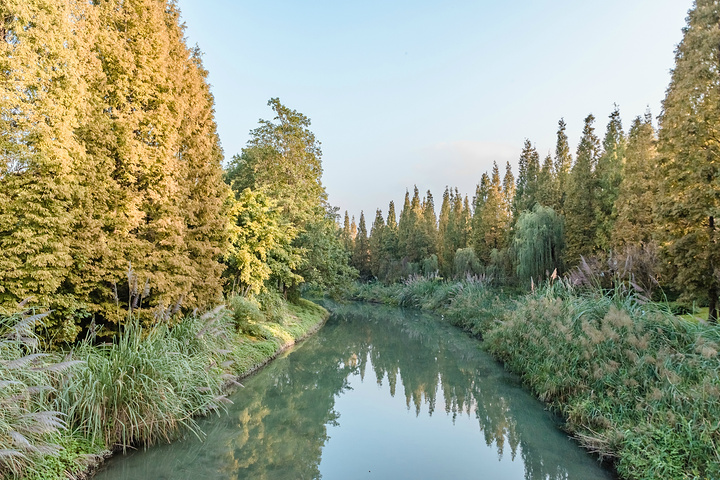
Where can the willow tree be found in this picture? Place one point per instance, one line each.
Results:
(689, 148)
(538, 243)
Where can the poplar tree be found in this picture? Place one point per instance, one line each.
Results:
(609, 175)
(580, 219)
(689, 152)
(637, 192)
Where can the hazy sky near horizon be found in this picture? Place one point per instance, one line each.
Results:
(429, 92)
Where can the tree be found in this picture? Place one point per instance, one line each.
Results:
(563, 164)
(546, 183)
(445, 244)
(580, 219)
(361, 253)
(609, 175)
(538, 243)
(256, 236)
(346, 235)
(376, 242)
(636, 197)
(494, 221)
(526, 189)
(283, 158)
(689, 151)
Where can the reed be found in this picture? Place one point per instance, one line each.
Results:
(28, 380)
(149, 382)
(636, 384)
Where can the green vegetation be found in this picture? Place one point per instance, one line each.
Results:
(636, 384)
(60, 411)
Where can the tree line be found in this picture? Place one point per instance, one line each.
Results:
(112, 189)
(643, 202)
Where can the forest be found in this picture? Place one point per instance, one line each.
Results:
(125, 237)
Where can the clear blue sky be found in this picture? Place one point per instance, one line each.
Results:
(430, 92)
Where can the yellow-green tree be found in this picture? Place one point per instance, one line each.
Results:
(638, 188)
(689, 148)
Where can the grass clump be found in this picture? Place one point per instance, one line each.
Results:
(635, 383)
(149, 382)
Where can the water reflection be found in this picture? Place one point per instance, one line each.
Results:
(326, 409)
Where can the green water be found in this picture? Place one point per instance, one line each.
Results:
(378, 393)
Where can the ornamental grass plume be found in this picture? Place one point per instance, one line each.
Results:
(28, 381)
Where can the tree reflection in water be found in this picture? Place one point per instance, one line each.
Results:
(278, 425)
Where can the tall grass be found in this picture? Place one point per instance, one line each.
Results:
(635, 383)
(28, 379)
(149, 382)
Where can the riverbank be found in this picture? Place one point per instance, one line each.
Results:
(147, 386)
(635, 384)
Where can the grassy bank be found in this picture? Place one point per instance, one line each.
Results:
(636, 384)
(61, 412)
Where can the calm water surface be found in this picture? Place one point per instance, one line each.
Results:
(378, 393)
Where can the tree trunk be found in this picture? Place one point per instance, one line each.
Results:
(713, 290)
(713, 304)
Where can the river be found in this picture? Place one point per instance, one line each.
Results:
(378, 393)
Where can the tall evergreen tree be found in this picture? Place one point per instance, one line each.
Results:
(406, 225)
(526, 189)
(346, 235)
(689, 148)
(376, 244)
(445, 252)
(361, 253)
(580, 220)
(478, 228)
(609, 175)
(508, 186)
(546, 183)
(636, 198)
(563, 164)
(494, 220)
(429, 226)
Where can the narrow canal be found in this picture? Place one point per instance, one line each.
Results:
(378, 393)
